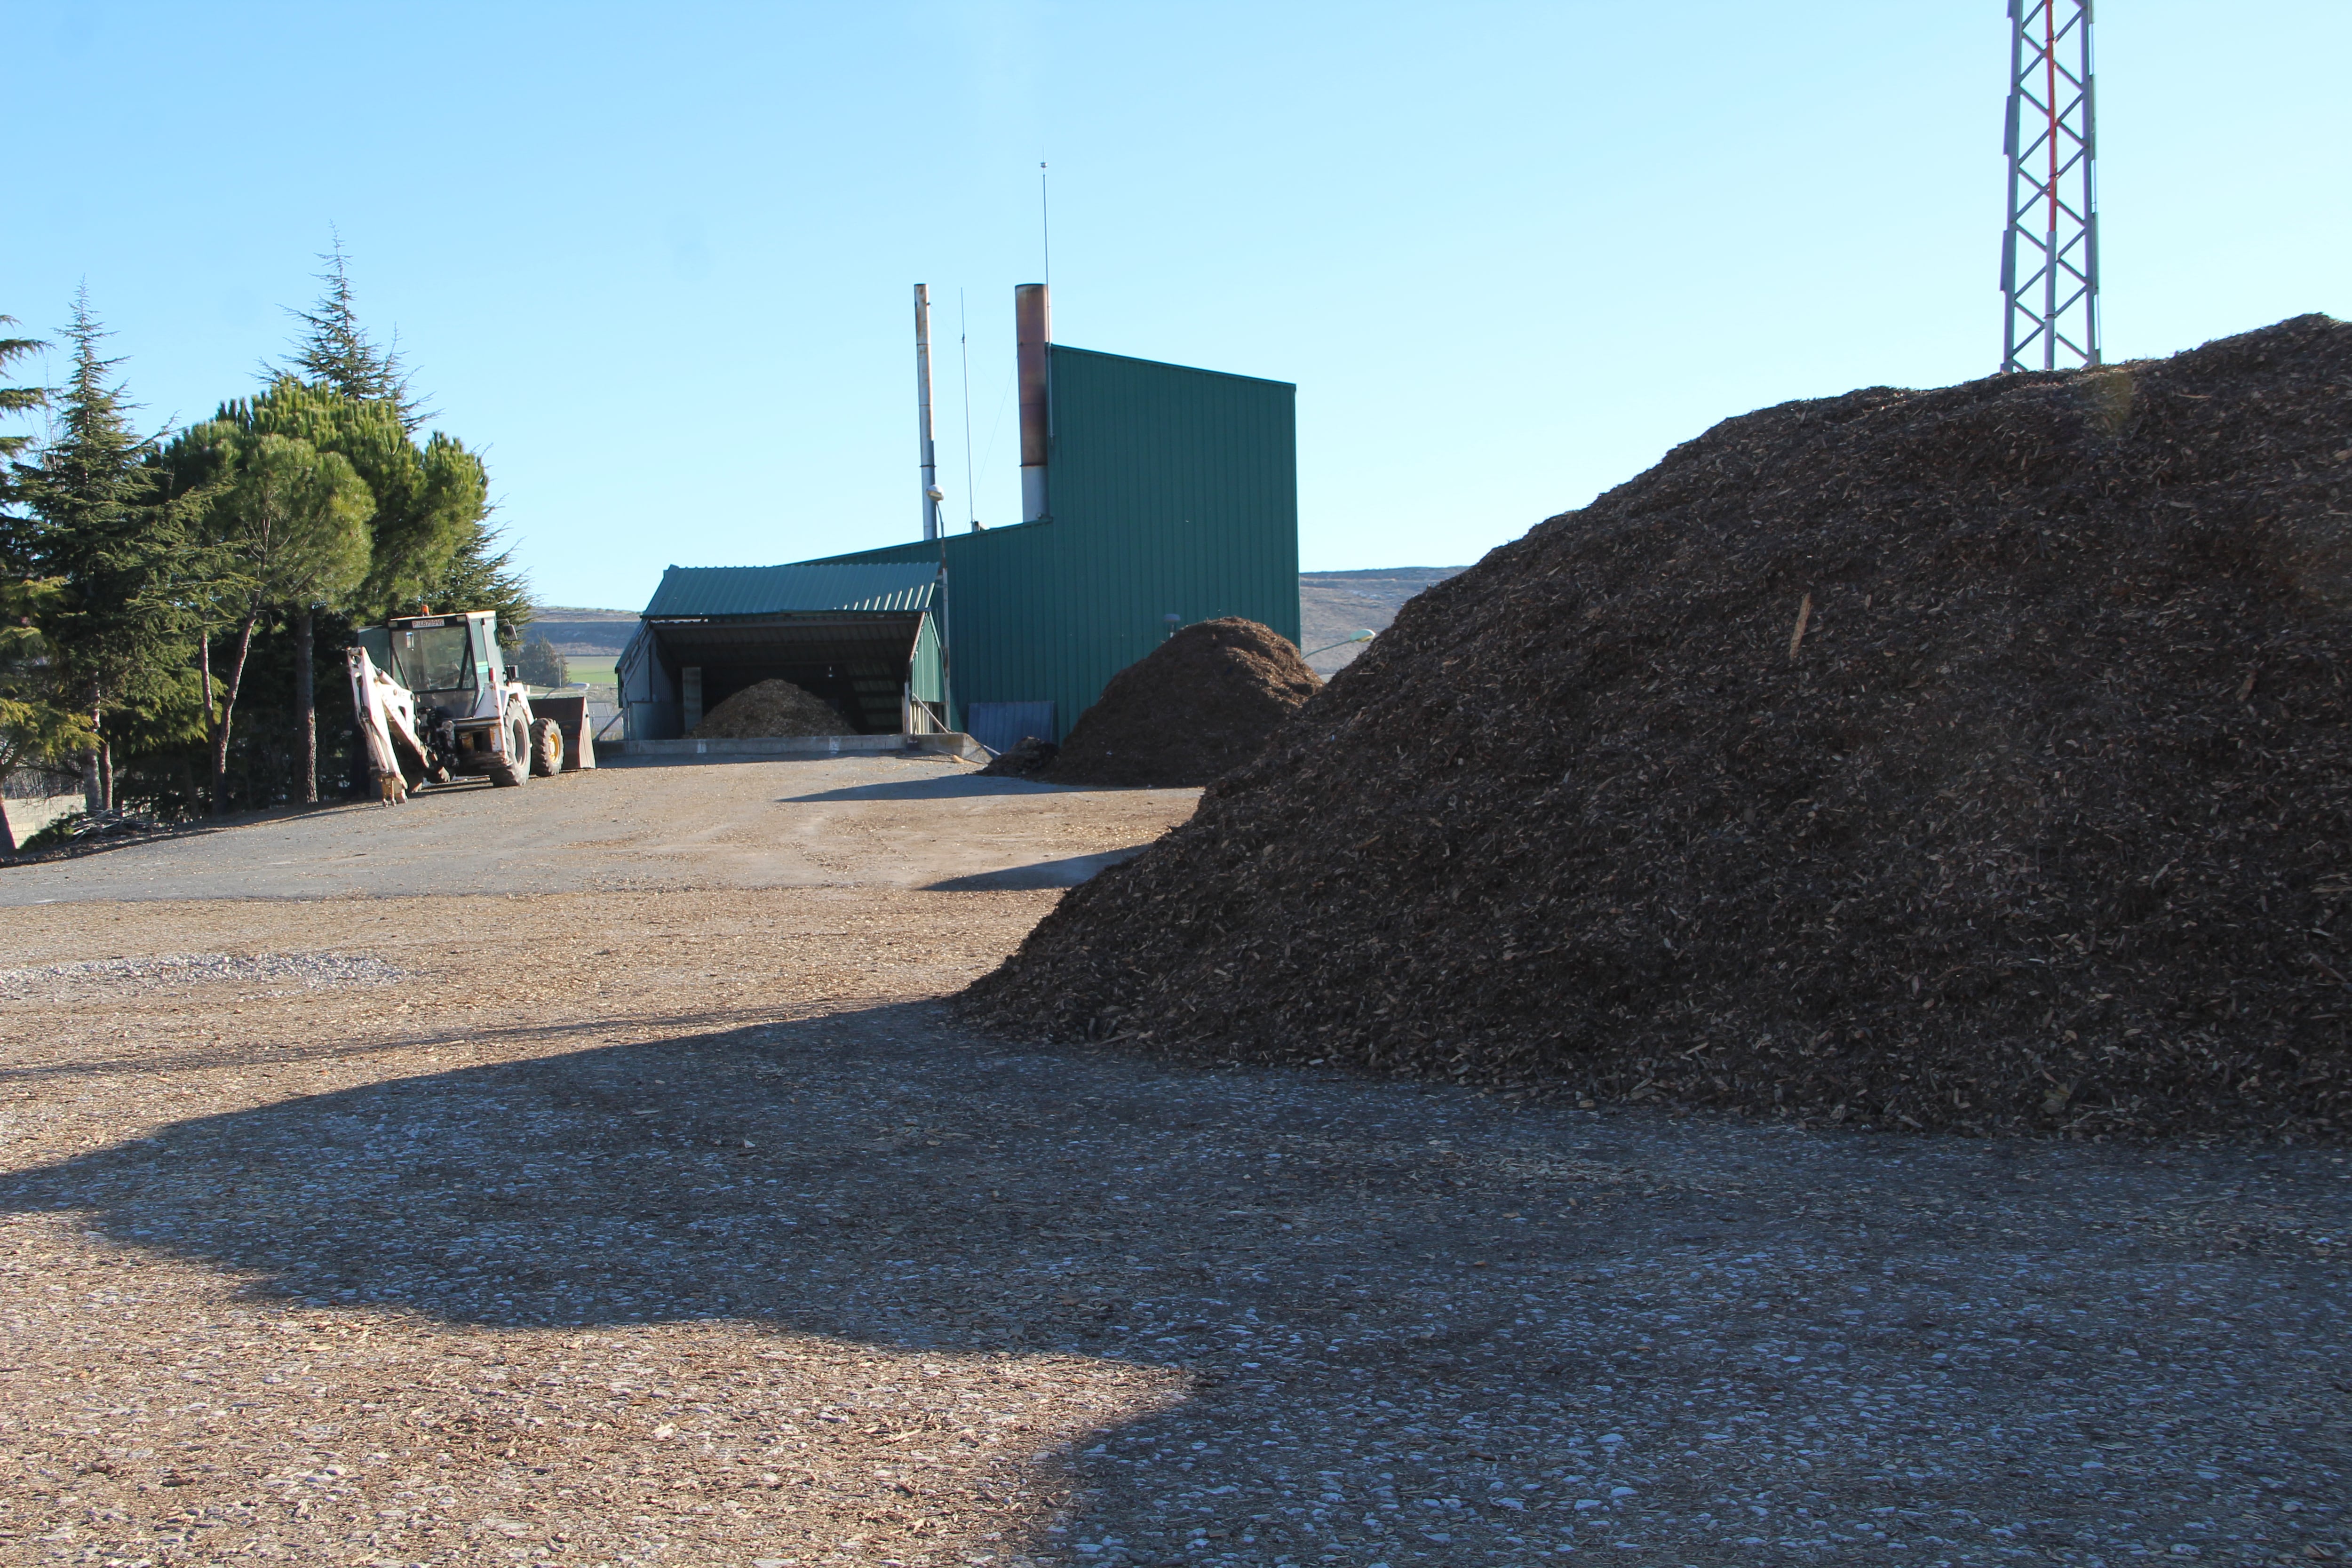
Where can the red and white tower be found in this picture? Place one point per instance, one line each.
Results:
(2049, 252)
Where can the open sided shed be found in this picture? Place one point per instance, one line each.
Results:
(861, 635)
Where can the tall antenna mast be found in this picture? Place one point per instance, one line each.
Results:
(924, 453)
(1046, 222)
(2050, 251)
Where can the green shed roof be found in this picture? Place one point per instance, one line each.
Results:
(889, 588)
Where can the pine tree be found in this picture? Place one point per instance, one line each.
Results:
(428, 499)
(541, 665)
(98, 526)
(15, 560)
(17, 399)
(37, 723)
(427, 540)
(433, 540)
(338, 353)
(290, 523)
(479, 574)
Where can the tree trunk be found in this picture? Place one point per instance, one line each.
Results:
(306, 703)
(228, 708)
(93, 775)
(204, 671)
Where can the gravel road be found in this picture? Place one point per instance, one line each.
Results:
(680, 1225)
(910, 821)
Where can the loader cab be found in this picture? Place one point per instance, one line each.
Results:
(451, 662)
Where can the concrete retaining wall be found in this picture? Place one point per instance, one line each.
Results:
(21, 817)
(954, 745)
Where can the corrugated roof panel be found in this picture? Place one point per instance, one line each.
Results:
(792, 590)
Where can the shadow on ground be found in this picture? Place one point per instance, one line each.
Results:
(1066, 872)
(1424, 1327)
(949, 786)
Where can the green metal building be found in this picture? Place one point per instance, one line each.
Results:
(1171, 496)
(1162, 495)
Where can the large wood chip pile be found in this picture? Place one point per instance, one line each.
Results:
(1973, 759)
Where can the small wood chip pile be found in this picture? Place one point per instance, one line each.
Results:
(1972, 759)
(1197, 706)
(772, 707)
(1025, 757)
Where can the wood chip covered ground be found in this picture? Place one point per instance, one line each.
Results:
(391, 1212)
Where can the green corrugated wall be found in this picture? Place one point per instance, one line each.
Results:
(1170, 490)
(924, 675)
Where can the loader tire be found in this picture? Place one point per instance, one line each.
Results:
(546, 748)
(514, 768)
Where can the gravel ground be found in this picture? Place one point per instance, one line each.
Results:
(115, 976)
(683, 1226)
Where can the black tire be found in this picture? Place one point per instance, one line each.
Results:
(514, 768)
(546, 748)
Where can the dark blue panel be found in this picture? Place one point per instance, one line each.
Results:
(1000, 726)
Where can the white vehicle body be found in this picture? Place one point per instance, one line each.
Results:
(434, 702)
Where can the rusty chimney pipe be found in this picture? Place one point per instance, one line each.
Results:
(1033, 321)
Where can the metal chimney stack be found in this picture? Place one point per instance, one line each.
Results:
(924, 453)
(1033, 320)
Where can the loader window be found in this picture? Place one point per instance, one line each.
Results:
(435, 658)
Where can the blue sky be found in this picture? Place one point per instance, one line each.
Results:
(656, 259)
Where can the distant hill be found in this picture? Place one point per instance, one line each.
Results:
(1331, 605)
(1335, 604)
(577, 632)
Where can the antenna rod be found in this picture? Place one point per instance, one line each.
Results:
(1046, 222)
(923, 410)
(963, 341)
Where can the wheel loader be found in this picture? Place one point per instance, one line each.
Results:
(435, 702)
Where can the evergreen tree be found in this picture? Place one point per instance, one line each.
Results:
(481, 576)
(289, 524)
(37, 720)
(429, 500)
(37, 723)
(541, 665)
(117, 635)
(14, 400)
(338, 354)
(428, 539)
(433, 540)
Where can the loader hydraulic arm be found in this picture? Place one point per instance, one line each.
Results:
(387, 718)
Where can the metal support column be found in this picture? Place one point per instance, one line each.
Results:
(2050, 251)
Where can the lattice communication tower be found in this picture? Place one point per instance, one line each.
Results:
(2050, 253)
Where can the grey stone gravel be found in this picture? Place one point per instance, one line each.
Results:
(1420, 1325)
(115, 976)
